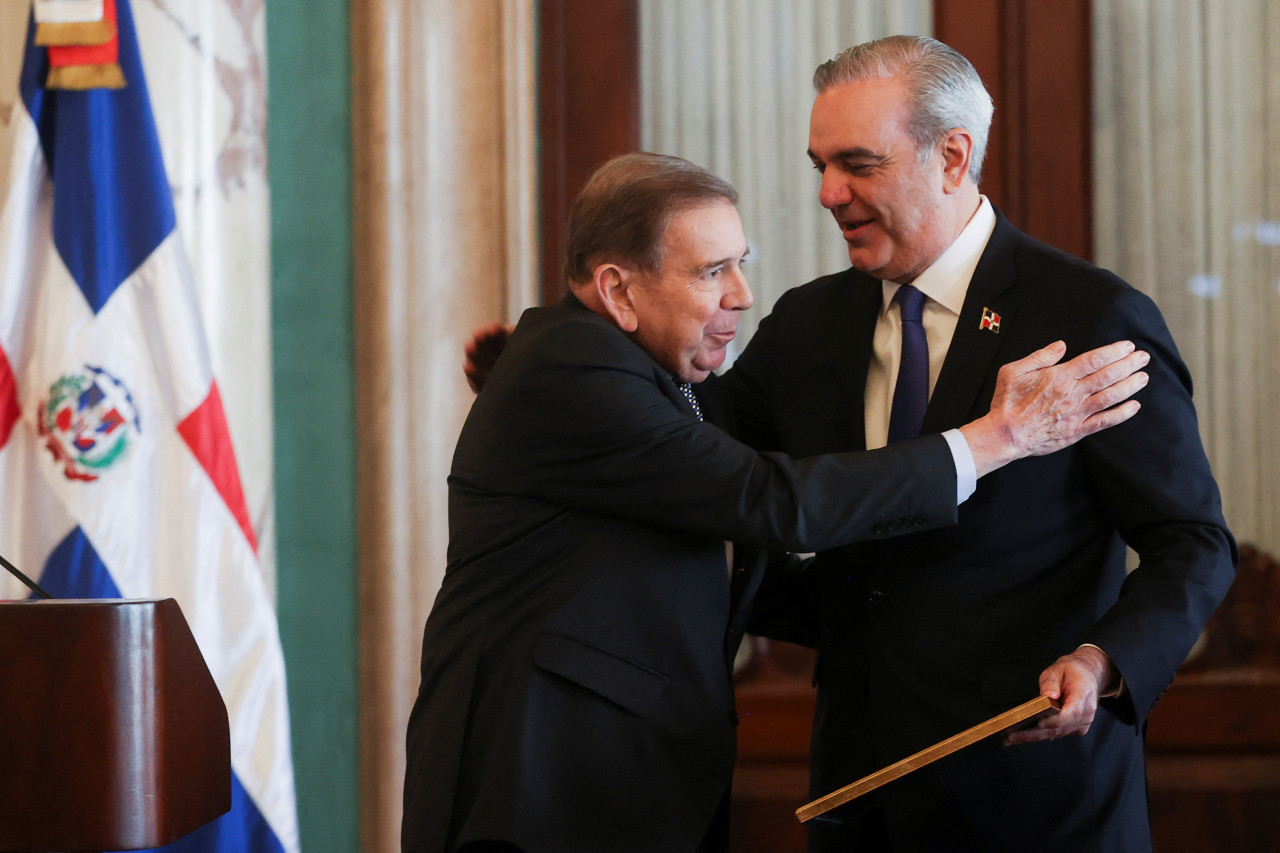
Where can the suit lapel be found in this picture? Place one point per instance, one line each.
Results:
(661, 378)
(664, 381)
(974, 348)
(845, 337)
(668, 386)
(869, 300)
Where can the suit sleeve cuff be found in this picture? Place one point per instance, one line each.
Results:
(966, 471)
(1116, 687)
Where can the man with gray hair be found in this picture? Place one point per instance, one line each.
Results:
(922, 636)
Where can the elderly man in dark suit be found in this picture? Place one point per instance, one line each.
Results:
(925, 635)
(576, 687)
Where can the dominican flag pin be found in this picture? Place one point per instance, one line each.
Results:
(990, 321)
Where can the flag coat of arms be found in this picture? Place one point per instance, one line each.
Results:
(117, 474)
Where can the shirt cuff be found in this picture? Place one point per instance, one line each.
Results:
(1116, 689)
(966, 470)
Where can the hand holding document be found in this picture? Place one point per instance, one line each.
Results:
(1024, 715)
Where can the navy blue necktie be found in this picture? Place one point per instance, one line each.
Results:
(911, 395)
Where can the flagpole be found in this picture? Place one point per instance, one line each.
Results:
(32, 585)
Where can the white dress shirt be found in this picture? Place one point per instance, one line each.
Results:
(944, 283)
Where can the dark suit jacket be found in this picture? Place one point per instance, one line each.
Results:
(575, 691)
(928, 634)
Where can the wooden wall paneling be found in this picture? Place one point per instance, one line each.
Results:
(1213, 739)
(775, 698)
(1057, 155)
(1037, 63)
(975, 28)
(588, 107)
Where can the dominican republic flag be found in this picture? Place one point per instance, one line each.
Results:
(117, 475)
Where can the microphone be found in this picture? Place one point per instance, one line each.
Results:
(13, 570)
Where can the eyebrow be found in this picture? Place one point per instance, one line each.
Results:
(855, 153)
(710, 265)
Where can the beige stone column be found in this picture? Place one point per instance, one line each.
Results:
(443, 123)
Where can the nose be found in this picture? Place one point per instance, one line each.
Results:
(737, 295)
(834, 191)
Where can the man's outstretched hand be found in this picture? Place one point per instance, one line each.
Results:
(1041, 406)
(482, 351)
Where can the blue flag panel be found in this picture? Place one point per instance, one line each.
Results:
(112, 205)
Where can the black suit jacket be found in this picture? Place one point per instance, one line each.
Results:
(576, 694)
(923, 636)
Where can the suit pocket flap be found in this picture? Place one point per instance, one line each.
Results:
(622, 682)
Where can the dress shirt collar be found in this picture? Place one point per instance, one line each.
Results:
(946, 280)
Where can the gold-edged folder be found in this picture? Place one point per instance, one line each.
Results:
(1024, 714)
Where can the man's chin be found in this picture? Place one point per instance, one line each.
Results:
(868, 253)
(707, 365)
(862, 261)
(884, 272)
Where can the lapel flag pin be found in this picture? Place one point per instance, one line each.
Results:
(990, 321)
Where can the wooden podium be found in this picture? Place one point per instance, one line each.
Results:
(113, 735)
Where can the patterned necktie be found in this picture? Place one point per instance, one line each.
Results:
(687, 390)
(911, 395)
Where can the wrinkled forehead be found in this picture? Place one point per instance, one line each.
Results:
(871, 114)
(705, 234)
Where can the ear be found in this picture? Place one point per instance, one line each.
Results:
(612, 285)
(956, 148)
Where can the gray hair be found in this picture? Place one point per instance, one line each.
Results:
(946, 92)
(623, 211)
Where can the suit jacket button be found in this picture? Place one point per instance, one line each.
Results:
(875, 598)
(879, 529)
